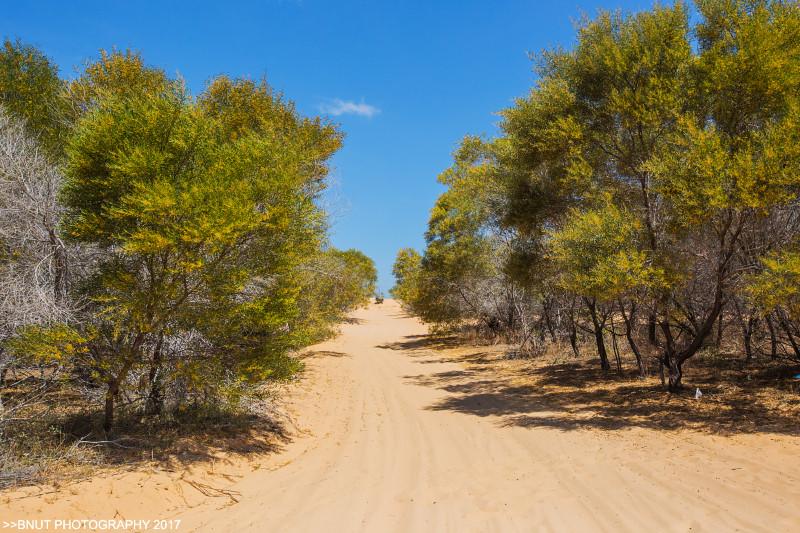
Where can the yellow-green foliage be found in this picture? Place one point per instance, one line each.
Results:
(114, 74)
(199, 208)
(779, 283)
(48, 344)
(334, 282)
(648, 164)
(31, 90)
(460, 246)
(597, 254)
(203, 217)
(704, 171)
(406, 273)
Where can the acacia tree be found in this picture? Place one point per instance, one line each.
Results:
(200, 253)
(406, 273)
(730, 164)
(598, 258)
(462, 276)
(203, 214)
(694, 141)
(334, 282)
(699, 148)
(203, 222)
(582, 135)
(30, 90)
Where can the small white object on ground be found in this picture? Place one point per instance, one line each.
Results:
(697, 394)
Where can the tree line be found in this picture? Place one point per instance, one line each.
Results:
(159, 247)
(643, 195)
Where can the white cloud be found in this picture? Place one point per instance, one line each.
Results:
(346, 107)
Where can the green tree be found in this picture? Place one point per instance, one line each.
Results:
(335, 282)
(696, 146)
(598, 257)
(652, 167)
(205, 215)
(114, 74)
(406, 274)
(30, 89)
(730, 164)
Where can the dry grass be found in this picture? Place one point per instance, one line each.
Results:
(59, 439)
(569, 393)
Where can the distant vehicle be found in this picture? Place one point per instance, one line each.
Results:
(379, 298)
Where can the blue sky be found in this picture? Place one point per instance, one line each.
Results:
(405, 80)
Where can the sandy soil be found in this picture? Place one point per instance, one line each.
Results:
(380, 451)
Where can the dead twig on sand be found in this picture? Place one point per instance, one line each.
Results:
(212, 492)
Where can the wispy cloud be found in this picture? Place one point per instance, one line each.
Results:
(339, 107)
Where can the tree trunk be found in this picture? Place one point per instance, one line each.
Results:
(542, 329)
(546, 305)
(747, 326)
(598, 334)
(671, 360)
(615, 347)
(675, 376)
(773, 338)
(59, 266)
(155, 399)
(573, 330)
(628, 320)
(787, 328)
(573, 340)
(115, 382)
(111, 394)
(675, 358)
(747, 334)
(652, 323)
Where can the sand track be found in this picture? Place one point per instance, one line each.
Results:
(374, 456)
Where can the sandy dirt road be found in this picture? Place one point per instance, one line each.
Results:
(375, 456)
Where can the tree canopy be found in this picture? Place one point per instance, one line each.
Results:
(195, 251)
(653, 167)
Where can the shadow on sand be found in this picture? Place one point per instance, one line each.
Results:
(322, 353)
(576, 395)
(55, 442)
